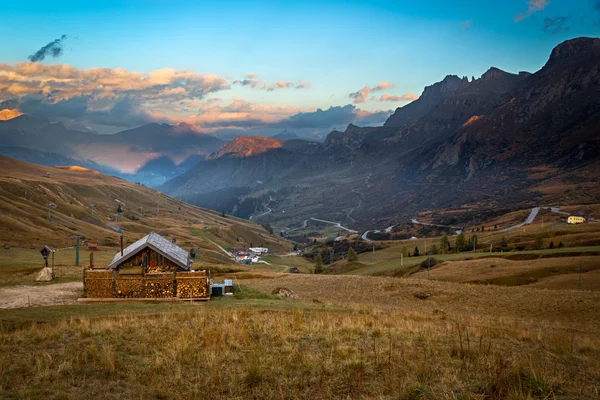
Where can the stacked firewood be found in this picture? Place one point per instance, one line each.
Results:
(99, 284)
(191, 287)
(128, 287)
(159, 286)
(153, 269)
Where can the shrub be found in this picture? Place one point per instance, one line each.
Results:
(429, 261)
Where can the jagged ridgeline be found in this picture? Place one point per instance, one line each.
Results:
(497, 141)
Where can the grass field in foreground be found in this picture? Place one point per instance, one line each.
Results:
(265, 348)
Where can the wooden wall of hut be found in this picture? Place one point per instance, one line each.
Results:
(151, 261)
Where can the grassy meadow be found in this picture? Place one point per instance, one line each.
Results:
(260, 347)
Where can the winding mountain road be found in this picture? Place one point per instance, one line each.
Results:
(530, 218)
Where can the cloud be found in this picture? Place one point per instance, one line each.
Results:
(114, 97)
(383, 86)
(556, 25)
(533, 6)
(333, 117)
(361, 95)
(303, 85)
(466, 24)
(239, 114)
(253, 81)
(405, 97)
(53, 49)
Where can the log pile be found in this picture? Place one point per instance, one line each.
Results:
(99, 284)
(192, 284)
(128, 287)
(158, 286)
(103, 284)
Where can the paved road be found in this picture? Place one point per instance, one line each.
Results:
(530, 218)
(336, 224)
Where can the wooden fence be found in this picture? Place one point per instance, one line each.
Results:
(112, 284)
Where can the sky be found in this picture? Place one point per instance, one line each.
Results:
(268, 66)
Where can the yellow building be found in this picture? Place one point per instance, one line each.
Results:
(574, 219)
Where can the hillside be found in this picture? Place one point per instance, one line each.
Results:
(500, 142)
(26, 190)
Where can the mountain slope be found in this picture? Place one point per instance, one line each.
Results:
(29, 191)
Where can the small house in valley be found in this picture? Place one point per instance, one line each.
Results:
(575, 219)
(152, 253)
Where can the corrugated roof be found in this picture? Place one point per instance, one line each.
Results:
(158, 243)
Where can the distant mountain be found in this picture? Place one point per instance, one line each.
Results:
(52, 159)
(245, 146)
(286, 135)
(130, 149)
(483, 144)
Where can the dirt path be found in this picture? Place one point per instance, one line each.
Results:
(40, 295)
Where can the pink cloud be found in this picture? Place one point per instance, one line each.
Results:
(383, 86)
(533, 6)
(361, 95)
(405, 97)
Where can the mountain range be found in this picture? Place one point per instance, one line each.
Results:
(496, 142)
(145, 154)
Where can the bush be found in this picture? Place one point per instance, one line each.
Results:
(352, 256)
(429, 261)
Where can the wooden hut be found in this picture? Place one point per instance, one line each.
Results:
(152, 254)
(152, 267)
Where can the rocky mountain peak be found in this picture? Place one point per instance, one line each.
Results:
(245, 146)
(493, 73)
(582, 47)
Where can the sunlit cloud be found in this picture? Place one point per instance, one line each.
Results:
(533, 6)
(361, 95)
(405, 97)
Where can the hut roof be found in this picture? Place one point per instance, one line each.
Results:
(157, 243)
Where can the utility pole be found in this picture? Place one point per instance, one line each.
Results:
(372, 254)
(491, 248)
(92, 208)
(76, 237)
(428, 268)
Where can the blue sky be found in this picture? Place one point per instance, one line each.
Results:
(338, 47)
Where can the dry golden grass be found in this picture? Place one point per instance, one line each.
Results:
(489, 269)
(559, 308)
(589, 281)
(291, 351)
